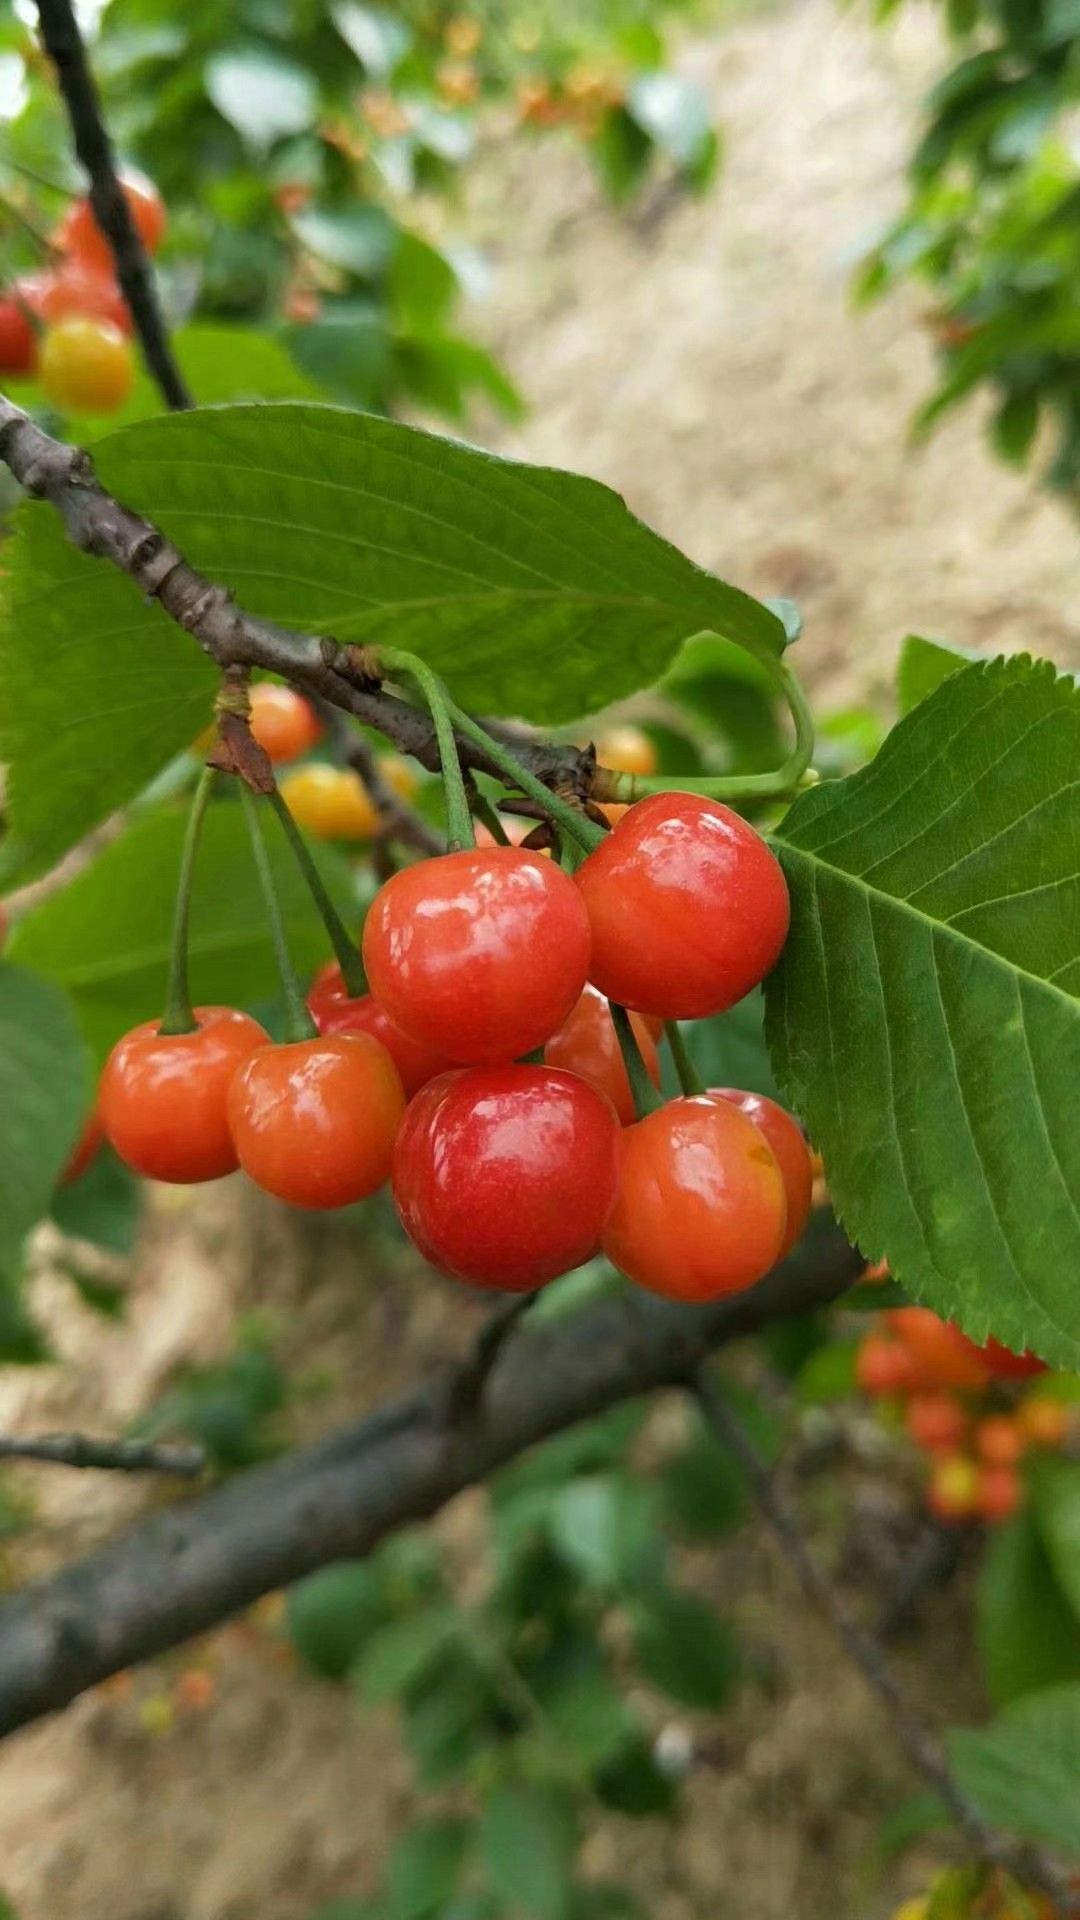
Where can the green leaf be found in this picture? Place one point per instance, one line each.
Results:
(44, 1098)
(331, 1613)
(342, 523)
(359, 238)
(923, 1021)
(1022, 1771)
(729, 1050)
(398, 1655)
(1027, 1632)
(675, 114)
(1055, 1486)
(425, 1867)
(106, 937)
(601, 1525)
(685, 1649)
(103, 1206)
(579, 1700)
(924, 665)
(528, 1846)
(261, 94)
(346, 349)
(633, 1781)
(378, 37)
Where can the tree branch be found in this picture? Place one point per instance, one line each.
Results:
(402, 821)
(114, 1456)
(64, 45)
(101, 525)
(918, 1744)
(182, 1571)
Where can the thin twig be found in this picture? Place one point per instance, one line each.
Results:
(113, 1456)
(99, 524)
(469, 1379)
(918, 1744)
(402, 821)
(64, 45)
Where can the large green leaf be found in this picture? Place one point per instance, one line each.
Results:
(1056, 1498)
(44, 1096)
(106, 937)
(924, 1019)
(923, 666)
(535, 590)
(1022, 1771)
(1027, 1632)
(528, 1844)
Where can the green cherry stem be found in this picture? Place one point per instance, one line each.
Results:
(573, 823)
(775, 785)
(178, 1016)
(690, 1079)
(646, 1097)
(459, 822)
(299, 1024)
(345, 950)
(483, 810)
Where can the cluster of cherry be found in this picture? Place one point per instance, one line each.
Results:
(494, 1073)
(69, 324)
(960, 1404)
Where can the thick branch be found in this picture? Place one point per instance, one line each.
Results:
(918, 1744)
(64, 45)
(182, 1571)
(100, 525)
(113, 1456)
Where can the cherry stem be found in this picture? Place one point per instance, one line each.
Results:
(646, 1097)
(565, 816)
(179, 1016)
(690, 1079)
(484, 811)
(345, 950)
(776, 785)
(459, 822)
(299, 1024)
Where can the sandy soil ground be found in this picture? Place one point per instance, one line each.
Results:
(703, 358)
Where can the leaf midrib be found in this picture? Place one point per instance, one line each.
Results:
(924, 920)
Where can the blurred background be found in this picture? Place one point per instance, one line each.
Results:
(800, 281)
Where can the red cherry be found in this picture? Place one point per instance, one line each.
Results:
(314, 1122)
(998, 1493)
(505, 1176)
(587, 1044)
(936, 1422)
(1004, 1364)
(788, 1142)
(76, 291)
(18, 343)
(480, 954)
(86, 1148)
(701, 1209)
(688, 908)
(80, 235)
(333, 1011)
(1000, 1440)
(162, 1096)
(883, 1368)
(942, 1356)
(284, 724)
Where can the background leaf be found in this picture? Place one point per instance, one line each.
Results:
(106, 936)
(923, 1020)
(1022, 1771)
(527, 1844)
(1028, 1635)
(44, 1099)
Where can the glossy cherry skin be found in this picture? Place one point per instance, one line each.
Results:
(314, 1122)
(163, 1096)
(334, 1011)
(481, 954)
(688, 908)
(701, 1209)
(505, 1176)
(788, 1142)
(587, 1044)
(284, 724)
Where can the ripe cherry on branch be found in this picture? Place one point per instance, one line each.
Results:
(80, 236)
(701, 1209)
(86, 365)
(18, 344)
(688, 908)
(335, 1010)
(788, 1142)
(481, 953)
(314, 1121)
(163, 1095)
(330, 802)
(505, 1176)
(587, 1044)
(284, 724)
